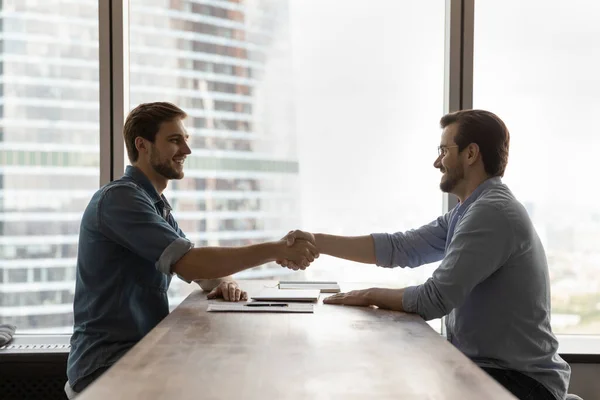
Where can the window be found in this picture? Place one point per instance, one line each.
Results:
(360, 84)
(236, 197)
(541, 77)
(50, 155)
(302, 114)
(17, 275)
(365, 82)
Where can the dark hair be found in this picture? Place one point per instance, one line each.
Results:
(145, 120)
(487, 131)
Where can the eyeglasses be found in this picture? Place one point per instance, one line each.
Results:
(442, 150)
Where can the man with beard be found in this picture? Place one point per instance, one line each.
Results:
(492, 281)
(130, 245)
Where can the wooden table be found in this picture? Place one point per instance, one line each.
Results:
(339, 352)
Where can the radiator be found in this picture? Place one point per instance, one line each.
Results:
(34, 367)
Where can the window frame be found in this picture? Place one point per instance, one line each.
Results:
(114, 103)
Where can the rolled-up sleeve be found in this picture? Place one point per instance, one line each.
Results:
(414, 247)
(172, 254)
(129, 218)
(482, 243)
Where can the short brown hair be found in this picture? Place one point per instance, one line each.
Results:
(486, 130)
(145, 120)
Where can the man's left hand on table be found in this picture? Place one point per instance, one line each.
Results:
(229, 291)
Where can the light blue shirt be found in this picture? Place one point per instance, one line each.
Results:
(492, 283)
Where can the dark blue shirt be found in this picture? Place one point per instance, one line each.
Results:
(128, 242)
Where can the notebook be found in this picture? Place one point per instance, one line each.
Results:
(263, 307)
(310, 295)
(323, 286)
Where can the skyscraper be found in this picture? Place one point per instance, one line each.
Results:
(227, 64)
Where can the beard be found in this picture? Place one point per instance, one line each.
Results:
(453, 177)
(164, 168)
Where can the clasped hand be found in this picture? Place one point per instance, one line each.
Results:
(301, 250)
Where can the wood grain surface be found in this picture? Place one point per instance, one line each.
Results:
(339, 352)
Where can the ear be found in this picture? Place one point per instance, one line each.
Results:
(140, 144)
(472, 152)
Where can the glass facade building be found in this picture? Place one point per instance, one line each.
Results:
(210, 58)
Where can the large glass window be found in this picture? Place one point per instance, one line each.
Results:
(49, 164)
(536, 65)
(303, 114)
(228, 65)
(368, 85)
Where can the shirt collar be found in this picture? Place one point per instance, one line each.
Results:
(488, 183)
(141, 179)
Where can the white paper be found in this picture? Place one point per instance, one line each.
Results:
(271, 294)
(324, 287)
(242, 307)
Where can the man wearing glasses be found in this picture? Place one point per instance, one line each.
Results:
(492, 282)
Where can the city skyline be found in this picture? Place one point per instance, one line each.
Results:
(302, 115)
(239, 180)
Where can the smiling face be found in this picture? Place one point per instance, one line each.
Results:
(449, 161)
(169, 150)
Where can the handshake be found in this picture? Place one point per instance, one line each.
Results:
(299, 250)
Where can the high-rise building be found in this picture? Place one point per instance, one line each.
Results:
(227, 64)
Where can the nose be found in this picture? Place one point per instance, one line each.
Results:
(438, 162)
(186, 149)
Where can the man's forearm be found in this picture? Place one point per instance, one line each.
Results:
(354, 248)
(389, 299)
(218, 262)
